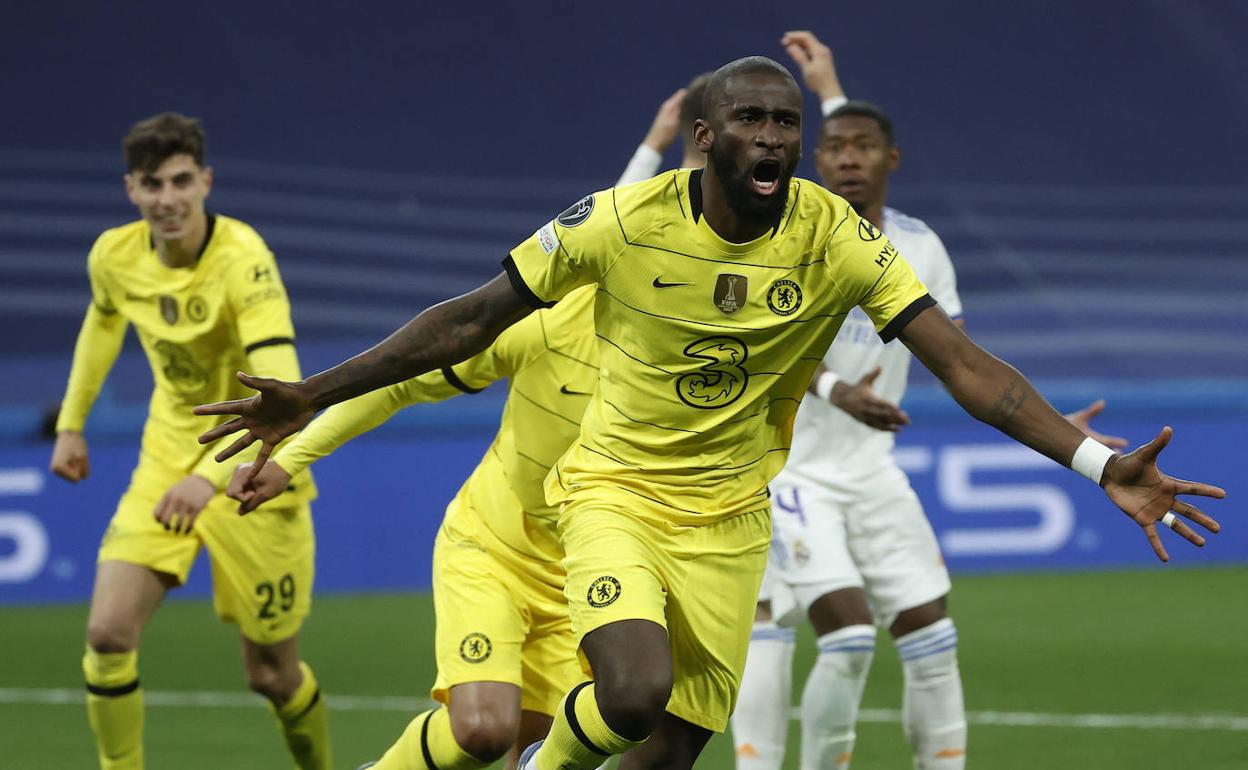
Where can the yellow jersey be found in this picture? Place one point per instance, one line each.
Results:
(551, 361)
(198, 326)
(705, 346)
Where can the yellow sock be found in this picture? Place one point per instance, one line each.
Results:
(305, 724)
(580, 738)
(115, 707)
(428, 744)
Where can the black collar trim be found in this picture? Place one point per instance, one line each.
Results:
(695, 200)
(212, 226)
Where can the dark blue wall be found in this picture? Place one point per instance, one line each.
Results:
(1066, 91)
(1082, 160)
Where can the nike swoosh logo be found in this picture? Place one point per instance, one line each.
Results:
(564, 390)
(661, 285)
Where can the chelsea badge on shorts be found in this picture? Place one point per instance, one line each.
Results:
(475, 648)
(603, 591)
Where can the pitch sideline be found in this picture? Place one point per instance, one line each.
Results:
(210, 699)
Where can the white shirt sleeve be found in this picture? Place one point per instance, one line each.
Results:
(943, 285)
(644, 164)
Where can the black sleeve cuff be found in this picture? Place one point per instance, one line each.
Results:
(453, 378)
(522, 288)
(270, 342)
(894, 327)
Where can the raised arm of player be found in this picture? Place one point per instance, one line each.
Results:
(333, 428)
(996, 393)
(814, 60)
(649, 155)
(444, 334)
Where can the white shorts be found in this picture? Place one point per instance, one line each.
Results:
(873, 536)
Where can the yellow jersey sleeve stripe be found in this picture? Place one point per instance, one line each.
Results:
(651, 424)
(894, 327)
(547, 410)
(600, 453)
(613, 344)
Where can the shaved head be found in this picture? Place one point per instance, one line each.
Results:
(717, 89)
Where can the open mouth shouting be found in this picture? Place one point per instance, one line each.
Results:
(765, 177)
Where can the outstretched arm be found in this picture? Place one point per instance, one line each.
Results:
(996, 393)
(333, 428)
(443, 335)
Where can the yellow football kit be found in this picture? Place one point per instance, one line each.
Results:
(198, 325)
(497, 577)
(705, 350)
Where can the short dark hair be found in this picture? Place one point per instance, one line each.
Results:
(743, 66)
(861, 109)
(691, 108)
(152, 141)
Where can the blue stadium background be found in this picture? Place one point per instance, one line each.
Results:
(1089, 183)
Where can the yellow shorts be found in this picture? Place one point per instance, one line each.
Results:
(501, 617)
(700, 583)
(262, 563)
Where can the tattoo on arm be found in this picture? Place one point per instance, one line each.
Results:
(442, 335)
(1011, 400)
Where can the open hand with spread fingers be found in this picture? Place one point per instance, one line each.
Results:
(1137, 486)
(279, 410)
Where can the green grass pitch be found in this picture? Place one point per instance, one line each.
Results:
(1164, 641)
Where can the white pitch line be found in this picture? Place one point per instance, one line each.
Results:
(208, 699)
(1214, 722)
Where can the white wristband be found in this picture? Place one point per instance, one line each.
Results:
(1090, 459)
(825, 383)
(830, 104)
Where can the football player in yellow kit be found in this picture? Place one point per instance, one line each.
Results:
(718, 292)
(504, 644)
(204, 296)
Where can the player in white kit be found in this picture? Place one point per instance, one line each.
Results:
(852, 548)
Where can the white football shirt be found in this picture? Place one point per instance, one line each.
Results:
(829, 445)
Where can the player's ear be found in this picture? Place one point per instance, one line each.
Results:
(207, 177)
(132, 184)
(894, 158)
(703, 136)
